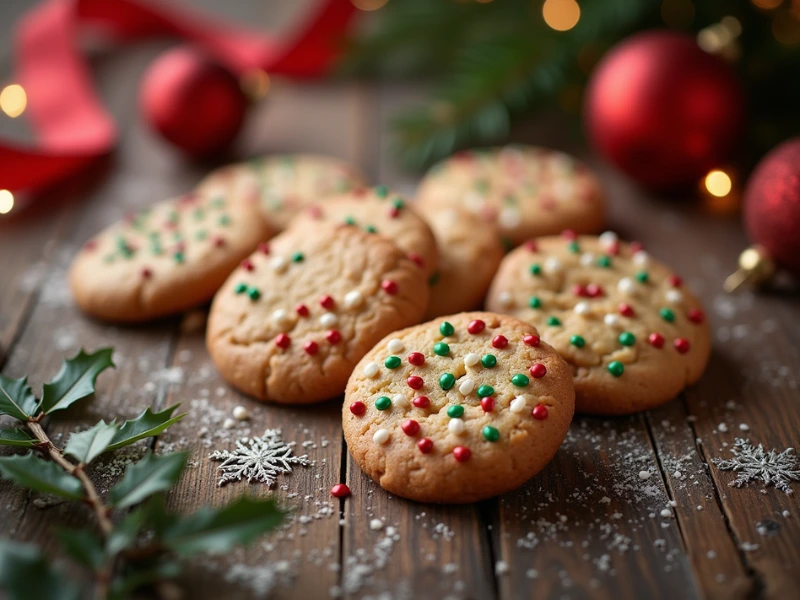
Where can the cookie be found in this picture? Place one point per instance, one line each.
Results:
(290, 324)
(283, 184)
(457, 409)
(634, 335)
(527, 191)
(165, 259)
(469, 253)
(379, 210)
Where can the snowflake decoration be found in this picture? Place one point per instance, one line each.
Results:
(753, 464)
(258, 459)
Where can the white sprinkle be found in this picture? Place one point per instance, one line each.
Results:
(353, 299)
(278, 264)
(381, 436)
(395, 346)
(328, 319)
(666, 513)
(371, 369)
(645, 475)
(582, 308)
(611, 320)
(531, 573)
(240, 413)
(456, 426)
(471, 359)
(376, 524)
(229, 424)
(552, 265)
(280, 316)
(509, 218)
(744, 427)
(722, 427)
(641, 258)
(587, 258)
(677, 475)
(501, 568)
(518, 404)
(505, 300)
(400, 400)
(466, 387)
(673, 296)
(608, 238)
(699, 507)
(626, 285)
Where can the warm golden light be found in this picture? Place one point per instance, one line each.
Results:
(368, 4)
(718, 183)
(767, 4)
(13, 100)
(255, 84)
(6, 202)
(561, 15)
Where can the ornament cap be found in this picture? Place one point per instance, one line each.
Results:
(755, 269)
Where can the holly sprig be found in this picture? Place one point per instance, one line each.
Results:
(137, 541)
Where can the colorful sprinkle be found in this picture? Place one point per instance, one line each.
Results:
(311, 347)
(333, 336)
(466, 387)
(400, 400)
(371, 229)
(535, 302)
(553, 321)
(247, 264)
(594, 291)
(539, 412)
(696, 315)
(461, 453)
(471, 359)
(392, 362)
(642, 277)
(626, 285)
(146, 273)
(499, 341)
(389, 286)
(487, 404)
(682, 345)
(476, 326)
(446, 329)
(518, 404)
(381, 436)
(425, 445)
(358, 408)
(626, 338)
(326, 302)
(675, 281)
(626, 310)
(240, 288)
(490, 434)
(447, 380)
(616, 368)
(416, 259)
(395, 346)
(667, 315)
(340, 490)
(353, 299)
(604, 262)
(421, 402)
(531, 340)
(441, 349)
(410, 427)
(485, 390)
(656, 340)
(577, 341)
(520, 380)
(298, 257)
(179, 257)
(381, 191)
(302, 310)
(282, 340)
(455, 412)
(538, 371)
(416, 358)
(253, 293)
(263, 248)
(328, 319)
(536, 269)
(574, 247)
(489, 360)
(371, 369)
(456, 426)
(415, 382)
(383, 403)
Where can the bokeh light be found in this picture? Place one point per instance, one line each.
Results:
(368, 5)
(6, 202)
(718, 183)
(561, 15)
(767, 4)
(13, 100)
(255, 84)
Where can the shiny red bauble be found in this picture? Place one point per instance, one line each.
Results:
(772, 205)
(192, 101)
(663, 110)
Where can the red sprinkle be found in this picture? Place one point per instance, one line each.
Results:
(594, 291)
(696, 315)
(675, 281)
(415, 382)
(531, 246)
(358, 408)
(462, 453)
(476, 326)
(315, 212)
(539, 412)
(580, 290)
(416, 358)
(90, 245)
(499, 341)
(569, 234)
(263, 247)
(416, 259)
(410, 427)
(656, 340)
(487, 404)
(421, 402)
(326, 302)
(637, 247)
(531, 340)
(682, 345)
(626, 310)
(613, 248)
(425, 445)
(147, 273)
(282, 340)
(302, 310)
(247, 265)
(333, 336)
(219, 242)
(389, 286)
(394, 212)
(538, 370)
(340, 490)
(311, 347)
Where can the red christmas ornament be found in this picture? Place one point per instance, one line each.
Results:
(192, 101)
(772, 205)
(663, 110)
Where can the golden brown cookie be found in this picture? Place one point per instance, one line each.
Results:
(382, 211)
(527, 191)
(458, 409)
(291, 323)
(634, 335)
(283, 184)
(470, 251)
(165, 259)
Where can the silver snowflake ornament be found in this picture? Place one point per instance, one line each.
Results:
(756, 464)
(258, 459)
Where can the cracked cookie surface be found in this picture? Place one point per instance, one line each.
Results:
(292, 321)
(458, 409)
(165, 259)
(634, 335)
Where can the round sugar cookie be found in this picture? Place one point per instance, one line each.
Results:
(470, 251)
(382, 211)
(634, 335)
(165, 259)
(457, 409)
(526, 191)
(292, 321)
(283, 184)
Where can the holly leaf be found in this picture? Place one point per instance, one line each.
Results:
(17, 399)
(83, 547)
(88, 445)
(126, 531)
(25, 573)
(145, 425)
(218, 530)
(16, 437)
(149, 476)
(43, 476)
(75, 381)
(136, 576)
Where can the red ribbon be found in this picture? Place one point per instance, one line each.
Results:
(72, 127)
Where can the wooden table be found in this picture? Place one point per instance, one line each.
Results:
(587, 527)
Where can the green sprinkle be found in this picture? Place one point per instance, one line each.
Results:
(253, 293)
(491, 434)
(198, 214)
(224, 220)
(553, 321)
(240, 288)
(485, 390)
(298, 257)
(616, 368)
(441, 349)
(218, 202)
(667, 315)
(392, 362)
(604, 261)
(381, 191)
(371, 229)
(574, 247)
(626, 338)
(520, 380)
(642, 277)
(489, 360)
(179, 257)
(200, 235)
(382, 403)
(398, 203)
(577, 341)
(447, 380)
(456, 411)
(350, 220)
(157, 249)
(446, 329)
(173, 216)
(433, 279)
(536, 269)
(535, 302)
